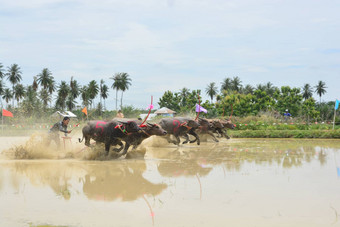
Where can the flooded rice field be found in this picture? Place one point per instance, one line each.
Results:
(239, 182)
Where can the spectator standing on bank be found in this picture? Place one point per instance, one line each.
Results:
(120, 114)
(287, 115)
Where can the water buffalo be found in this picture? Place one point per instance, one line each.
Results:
(108, 132)
(147, 130)
(180, 126)
(208, 126)
(223, 131)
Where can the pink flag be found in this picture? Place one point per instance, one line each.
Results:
(200, 109)
(150, 107)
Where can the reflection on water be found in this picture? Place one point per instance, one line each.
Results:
(285, 153)
(121, 181)
(211, 182)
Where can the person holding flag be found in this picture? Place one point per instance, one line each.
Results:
(53, 133)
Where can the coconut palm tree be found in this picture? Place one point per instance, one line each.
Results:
(93, 90)
(307, 91)
(51, 87)
(63, 91)
(14, 76)
(226, 85)
(211, 90)
(44, 97)
(31, 102)
(236, 84)
(19, 92)
(116, 84)
(185, 92)
(261, 87)
(70, 102)
(84, 94)
(105, 94)
(125, 82)
(7, 95)
(320, 89)
(44, 78)
(248, 89)
(103, 91)
(74, 88)
(2, 90)
(270, 89)
(1, 71)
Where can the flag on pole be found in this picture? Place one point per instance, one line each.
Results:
(337, 104)
(150, 107)
(6, 113)
(84, 111)
(200, 109)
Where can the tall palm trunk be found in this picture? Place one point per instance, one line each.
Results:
(121, 101)
(13, 96)
(116, 98)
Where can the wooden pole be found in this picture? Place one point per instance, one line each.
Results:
(334, 118)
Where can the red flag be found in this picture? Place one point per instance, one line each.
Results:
(84, 111)
(6, 113)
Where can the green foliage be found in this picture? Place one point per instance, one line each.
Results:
(308, 110)
(170, 100)
(286, 134)
(288, 98)
(181, 102)
(131, 112)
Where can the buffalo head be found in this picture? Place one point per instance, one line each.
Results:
(155, 129)
(130, 126)
(193, 124)
(217, 124)
(228, 124)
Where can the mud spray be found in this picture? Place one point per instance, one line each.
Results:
(36, 147)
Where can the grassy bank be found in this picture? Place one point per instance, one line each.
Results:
(329, 134)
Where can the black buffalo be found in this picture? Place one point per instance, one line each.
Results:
(223, 131)
(209, 126)
(137, 138)
(108, 132)
(180, 126)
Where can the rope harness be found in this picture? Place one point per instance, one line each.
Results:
(145, 126)
(185, 124)
(148, 135)
(123, 130)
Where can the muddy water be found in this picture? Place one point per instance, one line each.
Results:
(240, 182)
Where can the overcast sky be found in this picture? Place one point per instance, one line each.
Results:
(171, 44)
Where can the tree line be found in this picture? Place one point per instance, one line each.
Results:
(37, 97)
(253, 101)
(35, 100)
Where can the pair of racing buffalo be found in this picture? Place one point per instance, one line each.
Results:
(133, 132)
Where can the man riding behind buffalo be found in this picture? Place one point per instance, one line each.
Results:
(53, 133)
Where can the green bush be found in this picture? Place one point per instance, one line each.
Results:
(285, 133)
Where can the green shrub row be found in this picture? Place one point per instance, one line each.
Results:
(283, 126)
(335, 134)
